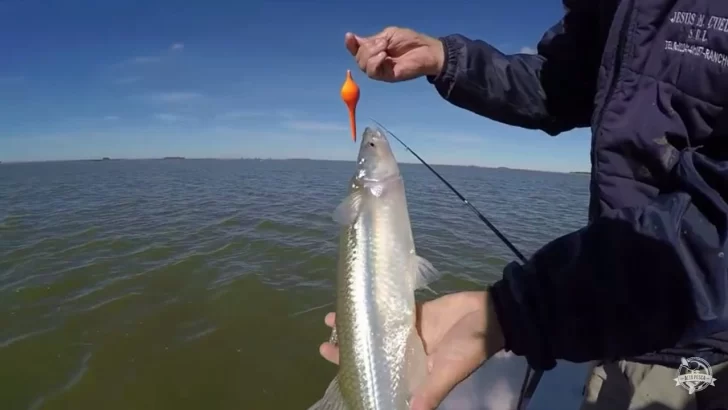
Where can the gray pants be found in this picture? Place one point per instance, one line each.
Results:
(633, 386)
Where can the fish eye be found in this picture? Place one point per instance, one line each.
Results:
(371, 144)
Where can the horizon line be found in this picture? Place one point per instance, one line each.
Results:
(169, 158)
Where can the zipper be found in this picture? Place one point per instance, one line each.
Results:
(616, 70)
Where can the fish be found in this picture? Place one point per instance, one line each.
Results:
(381, 355)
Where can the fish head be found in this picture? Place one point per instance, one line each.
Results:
(376, 160)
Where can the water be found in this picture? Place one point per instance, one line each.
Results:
(185, 284)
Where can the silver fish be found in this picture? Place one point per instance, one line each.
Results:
(381, 356)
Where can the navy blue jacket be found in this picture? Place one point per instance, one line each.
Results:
(647, 278)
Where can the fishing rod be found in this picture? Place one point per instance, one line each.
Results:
(530, 382)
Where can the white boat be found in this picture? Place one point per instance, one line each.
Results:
(497, 384)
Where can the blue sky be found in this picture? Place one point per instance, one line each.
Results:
(228, 79)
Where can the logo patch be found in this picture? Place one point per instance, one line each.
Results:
(699, 29)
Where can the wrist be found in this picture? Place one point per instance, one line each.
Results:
(494, 338)
(482, 306)
(437, 49)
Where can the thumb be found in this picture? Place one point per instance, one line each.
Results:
(352, 42)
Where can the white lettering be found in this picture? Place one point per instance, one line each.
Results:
(712, 22)
(718, 24)
(699, 25)
(698, 20)
(716, 57)
(698, 35)
(722, 24)
(699, 51)
(683, 17)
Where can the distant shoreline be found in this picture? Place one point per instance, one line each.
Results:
(168, 158)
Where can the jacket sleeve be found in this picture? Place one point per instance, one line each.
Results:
(552, 91)
(634, 281)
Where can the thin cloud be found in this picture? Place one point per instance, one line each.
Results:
(462, 138)
(409, 131)
(127, 80)
(152, 59)
(289, 116)
(173, 96)
(231, 115)
(145, 59)
(528, 50)
(316, 126)
(166, 117)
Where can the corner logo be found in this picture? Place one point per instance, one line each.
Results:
(694, 374)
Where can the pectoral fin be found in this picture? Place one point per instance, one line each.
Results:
(349, 209)
(426, 274)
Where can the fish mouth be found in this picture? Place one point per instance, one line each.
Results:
(375, 162)
(372, 135)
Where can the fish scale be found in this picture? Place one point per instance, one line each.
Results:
(381, 355)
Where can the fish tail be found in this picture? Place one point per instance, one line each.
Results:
(332, 400)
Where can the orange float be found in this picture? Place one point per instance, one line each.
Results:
(350, 95)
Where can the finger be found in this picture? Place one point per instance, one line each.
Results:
(352, 43)
(330, 319)
(329, 352)
(374, 65)
(402, 69)
(369, 48)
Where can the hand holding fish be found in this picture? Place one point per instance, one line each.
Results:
(396, 54)
(394, 353)
(459, 331)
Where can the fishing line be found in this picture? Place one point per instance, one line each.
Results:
(530, 383)
(310, 309)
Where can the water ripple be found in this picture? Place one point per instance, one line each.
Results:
(150, 259)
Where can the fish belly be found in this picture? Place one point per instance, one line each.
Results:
(375, 309)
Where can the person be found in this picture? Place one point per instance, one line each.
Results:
(643, 286)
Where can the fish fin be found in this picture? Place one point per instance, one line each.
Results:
(426, 274)
(332, 400)
(416, 361)
(377, 189)
(334, 338)
(348, 210)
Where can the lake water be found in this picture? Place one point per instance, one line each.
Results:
(187, 284)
